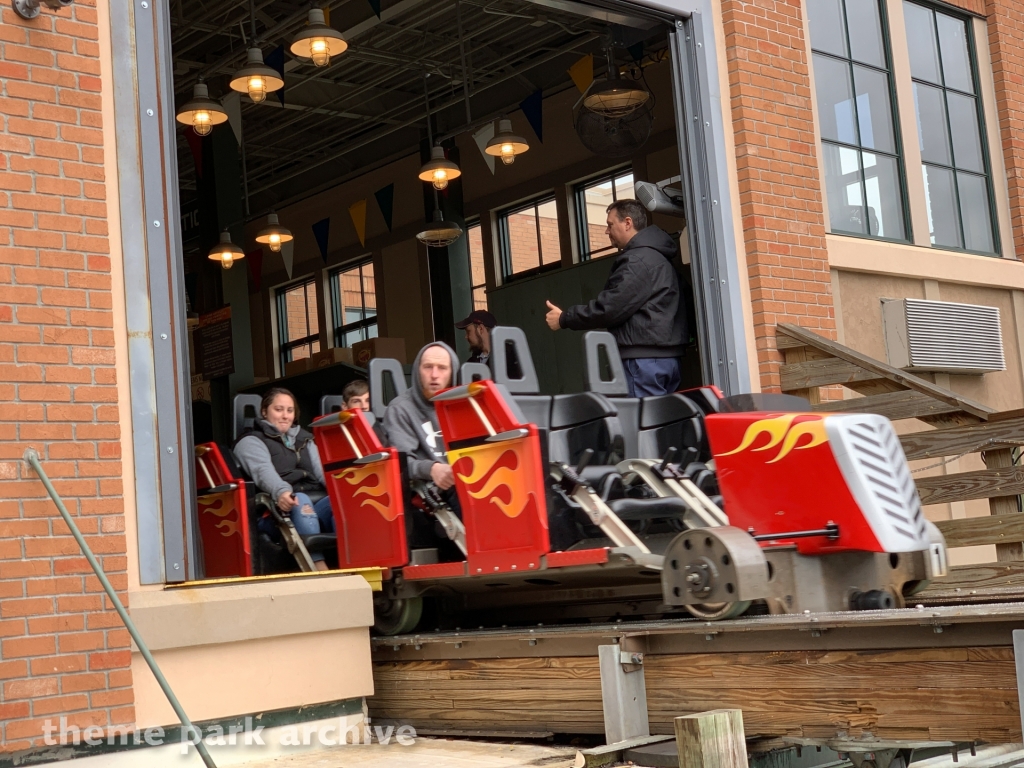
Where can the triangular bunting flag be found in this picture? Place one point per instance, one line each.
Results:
(533, 108)
(287, 256)
(386, 203)
(195, 144)
(358, 213)
(321, 231)
(375, 5)
(481, 137)
(636, 51)
(255, 259)
(275, 60)
(582, 73)
(233, 106)
(327, 15)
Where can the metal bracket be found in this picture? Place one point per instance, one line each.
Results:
(29, 9)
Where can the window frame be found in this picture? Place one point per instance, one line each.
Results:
(469, 257)
(284, 347)
(897, 123)
(579, 191)
(972, 52)
(337, 310)
(505, 244)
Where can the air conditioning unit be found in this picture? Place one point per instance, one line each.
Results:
(942, 336)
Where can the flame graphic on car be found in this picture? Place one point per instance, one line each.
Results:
(217, 508)
(369, 484)
(781, 429)
(489, 472)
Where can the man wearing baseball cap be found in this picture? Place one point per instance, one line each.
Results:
(478, 333)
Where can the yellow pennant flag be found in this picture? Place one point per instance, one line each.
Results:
(327, 15)
(358, 213)
(582, 72)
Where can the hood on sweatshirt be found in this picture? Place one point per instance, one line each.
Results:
(417, 388)
(656, 239)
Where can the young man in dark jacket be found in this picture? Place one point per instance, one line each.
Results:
(641, 303)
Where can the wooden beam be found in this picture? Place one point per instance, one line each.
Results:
(712, 739)
(988, 435)
(964, 486)
(818, 373)
(976, 531)
(1003, 505)
(893, 405)
(796, 356)
(978, 577)
(883, 370)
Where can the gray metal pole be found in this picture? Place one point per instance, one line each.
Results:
(192, 732)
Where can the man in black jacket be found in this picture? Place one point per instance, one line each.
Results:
(641, 303)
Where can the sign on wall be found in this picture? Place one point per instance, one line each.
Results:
(215, 355)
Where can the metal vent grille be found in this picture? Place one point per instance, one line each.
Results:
(943, 336)
(877, 473)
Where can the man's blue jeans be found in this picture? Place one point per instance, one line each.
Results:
(307, 517)
(648, 376)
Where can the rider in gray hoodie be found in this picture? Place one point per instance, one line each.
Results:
(411, 421)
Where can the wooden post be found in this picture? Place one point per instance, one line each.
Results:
(711, 739)
(1002, 505)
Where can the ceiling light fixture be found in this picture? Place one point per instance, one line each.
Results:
(273, 234)
(439, 170)
(614, 96)
(226, 252)
(317, 41)
(256, 78)
(440, 233)
(202, 112)
(506, 144)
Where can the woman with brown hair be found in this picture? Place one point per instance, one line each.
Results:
(282, 460)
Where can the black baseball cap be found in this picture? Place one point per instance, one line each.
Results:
(481, 316)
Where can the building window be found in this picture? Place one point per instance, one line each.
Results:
(354, 304)
(474, 233)
(949, 127)
(529, 237)
(592, 201)
(858, 125)
(298, 322)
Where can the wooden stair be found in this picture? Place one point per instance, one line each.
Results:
(962, 427)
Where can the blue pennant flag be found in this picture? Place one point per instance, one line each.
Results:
(533, 108)
(386, 203)
(636, 51)
(375, 5)
(275, 60)
(321, 230)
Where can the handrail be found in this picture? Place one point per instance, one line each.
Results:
(195, 736)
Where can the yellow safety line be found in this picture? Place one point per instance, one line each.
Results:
(373, 576)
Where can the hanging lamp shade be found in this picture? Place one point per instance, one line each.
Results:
(506, 144)
(256, 78)
(273, 234)
(439, 170)
(440, 232)
(615, 97)
(226, 252)
(202, 112)
(317, 41)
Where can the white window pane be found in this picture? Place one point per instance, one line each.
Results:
(827, 29)
(624, 187)
(956, 61)
(963, 120)
(924, 51)
(943, 217)
(932, 127)
(885, 202)
(865, 32)
(874, 111)
(976, 212)
(843, 189)
(550, 243)
(835, 99)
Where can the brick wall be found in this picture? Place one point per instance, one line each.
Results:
(779, 177)
(61, 653)
(1005, 33)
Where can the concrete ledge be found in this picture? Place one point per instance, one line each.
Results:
(195, 616)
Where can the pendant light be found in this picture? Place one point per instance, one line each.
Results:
(273, 234)
(256, 78)
(202, 112)
(439, 170)
(614, 96)
(317, 41)
(506, 144)
(226, 252)
(439, 233)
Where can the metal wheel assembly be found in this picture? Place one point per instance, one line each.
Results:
(714, 572)
(396, 616)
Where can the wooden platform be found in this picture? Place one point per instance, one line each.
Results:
(935, 674)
